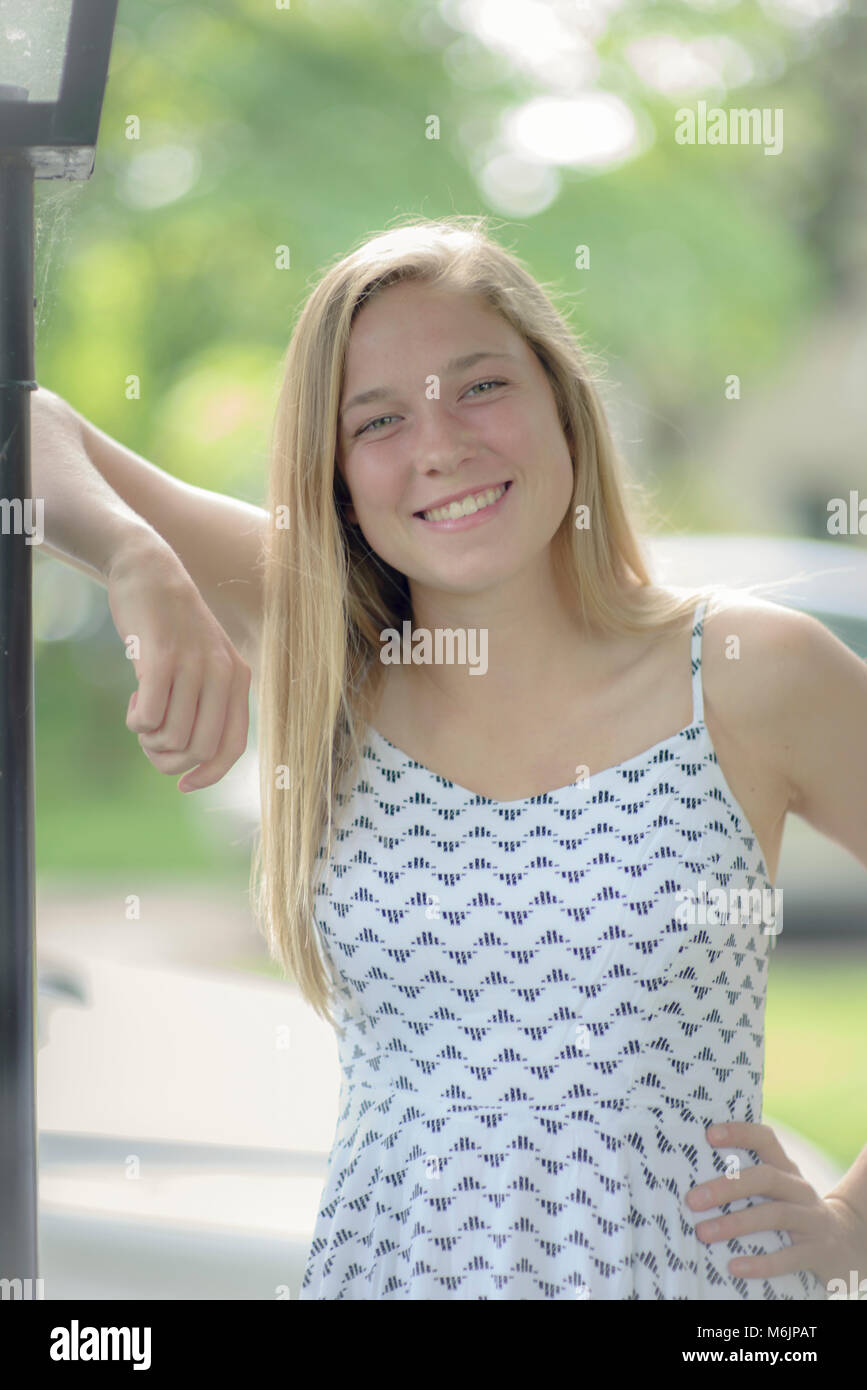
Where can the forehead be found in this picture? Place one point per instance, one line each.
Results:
(413, 315)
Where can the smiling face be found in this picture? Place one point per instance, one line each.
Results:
(456, 403)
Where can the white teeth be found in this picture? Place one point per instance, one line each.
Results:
(467, 506)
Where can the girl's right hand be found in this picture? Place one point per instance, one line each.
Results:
(191, 709)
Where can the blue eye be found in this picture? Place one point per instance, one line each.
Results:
(487, 383)
(380, 418)
(375, 422)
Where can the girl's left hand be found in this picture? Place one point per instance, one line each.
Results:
(829, 1237)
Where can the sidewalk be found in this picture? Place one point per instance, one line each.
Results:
(185, 1111)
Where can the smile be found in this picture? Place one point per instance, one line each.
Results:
(456, 512)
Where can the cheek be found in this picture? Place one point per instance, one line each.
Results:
(378, 493)
(375, 483)
(536, 443)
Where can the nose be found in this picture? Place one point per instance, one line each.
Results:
(442, 442)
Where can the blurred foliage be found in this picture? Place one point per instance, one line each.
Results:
(304, 128)
(815, 1049)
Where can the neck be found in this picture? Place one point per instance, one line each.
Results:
(534, 639)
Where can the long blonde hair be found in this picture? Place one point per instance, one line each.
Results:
(328, 596)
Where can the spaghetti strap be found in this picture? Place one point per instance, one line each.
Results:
(697, 630)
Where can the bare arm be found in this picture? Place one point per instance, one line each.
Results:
(800, 694)
(100, 496)
(189, 648)
(824, 724)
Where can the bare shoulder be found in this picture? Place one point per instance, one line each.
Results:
(764, 667)
(776, 643)
(766, 631)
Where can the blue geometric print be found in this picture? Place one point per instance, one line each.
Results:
(532, 1039)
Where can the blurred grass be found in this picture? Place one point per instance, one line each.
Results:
(816, 1047)
(141, 831)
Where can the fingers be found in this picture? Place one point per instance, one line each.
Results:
(205, 720)
(191, 708)
(759, 1139)
(770, 1148)
(147, 707)
(233, 741)
(786, 1261)
(174, 733)
(212, 697)
(763, 1216)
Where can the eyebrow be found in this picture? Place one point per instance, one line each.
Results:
(457, 364)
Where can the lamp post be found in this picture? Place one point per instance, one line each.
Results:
(53, 67)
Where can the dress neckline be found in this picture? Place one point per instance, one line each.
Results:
(696, 724)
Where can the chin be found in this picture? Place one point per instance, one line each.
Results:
(471, 579)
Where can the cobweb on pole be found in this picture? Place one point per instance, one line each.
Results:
(54, 201)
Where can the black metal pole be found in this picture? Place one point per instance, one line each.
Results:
(18, 1155)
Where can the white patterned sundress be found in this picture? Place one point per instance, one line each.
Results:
(533, 1035)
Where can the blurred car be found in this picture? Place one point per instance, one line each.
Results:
(827, 579)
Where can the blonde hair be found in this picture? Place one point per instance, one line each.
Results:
(328, 596)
